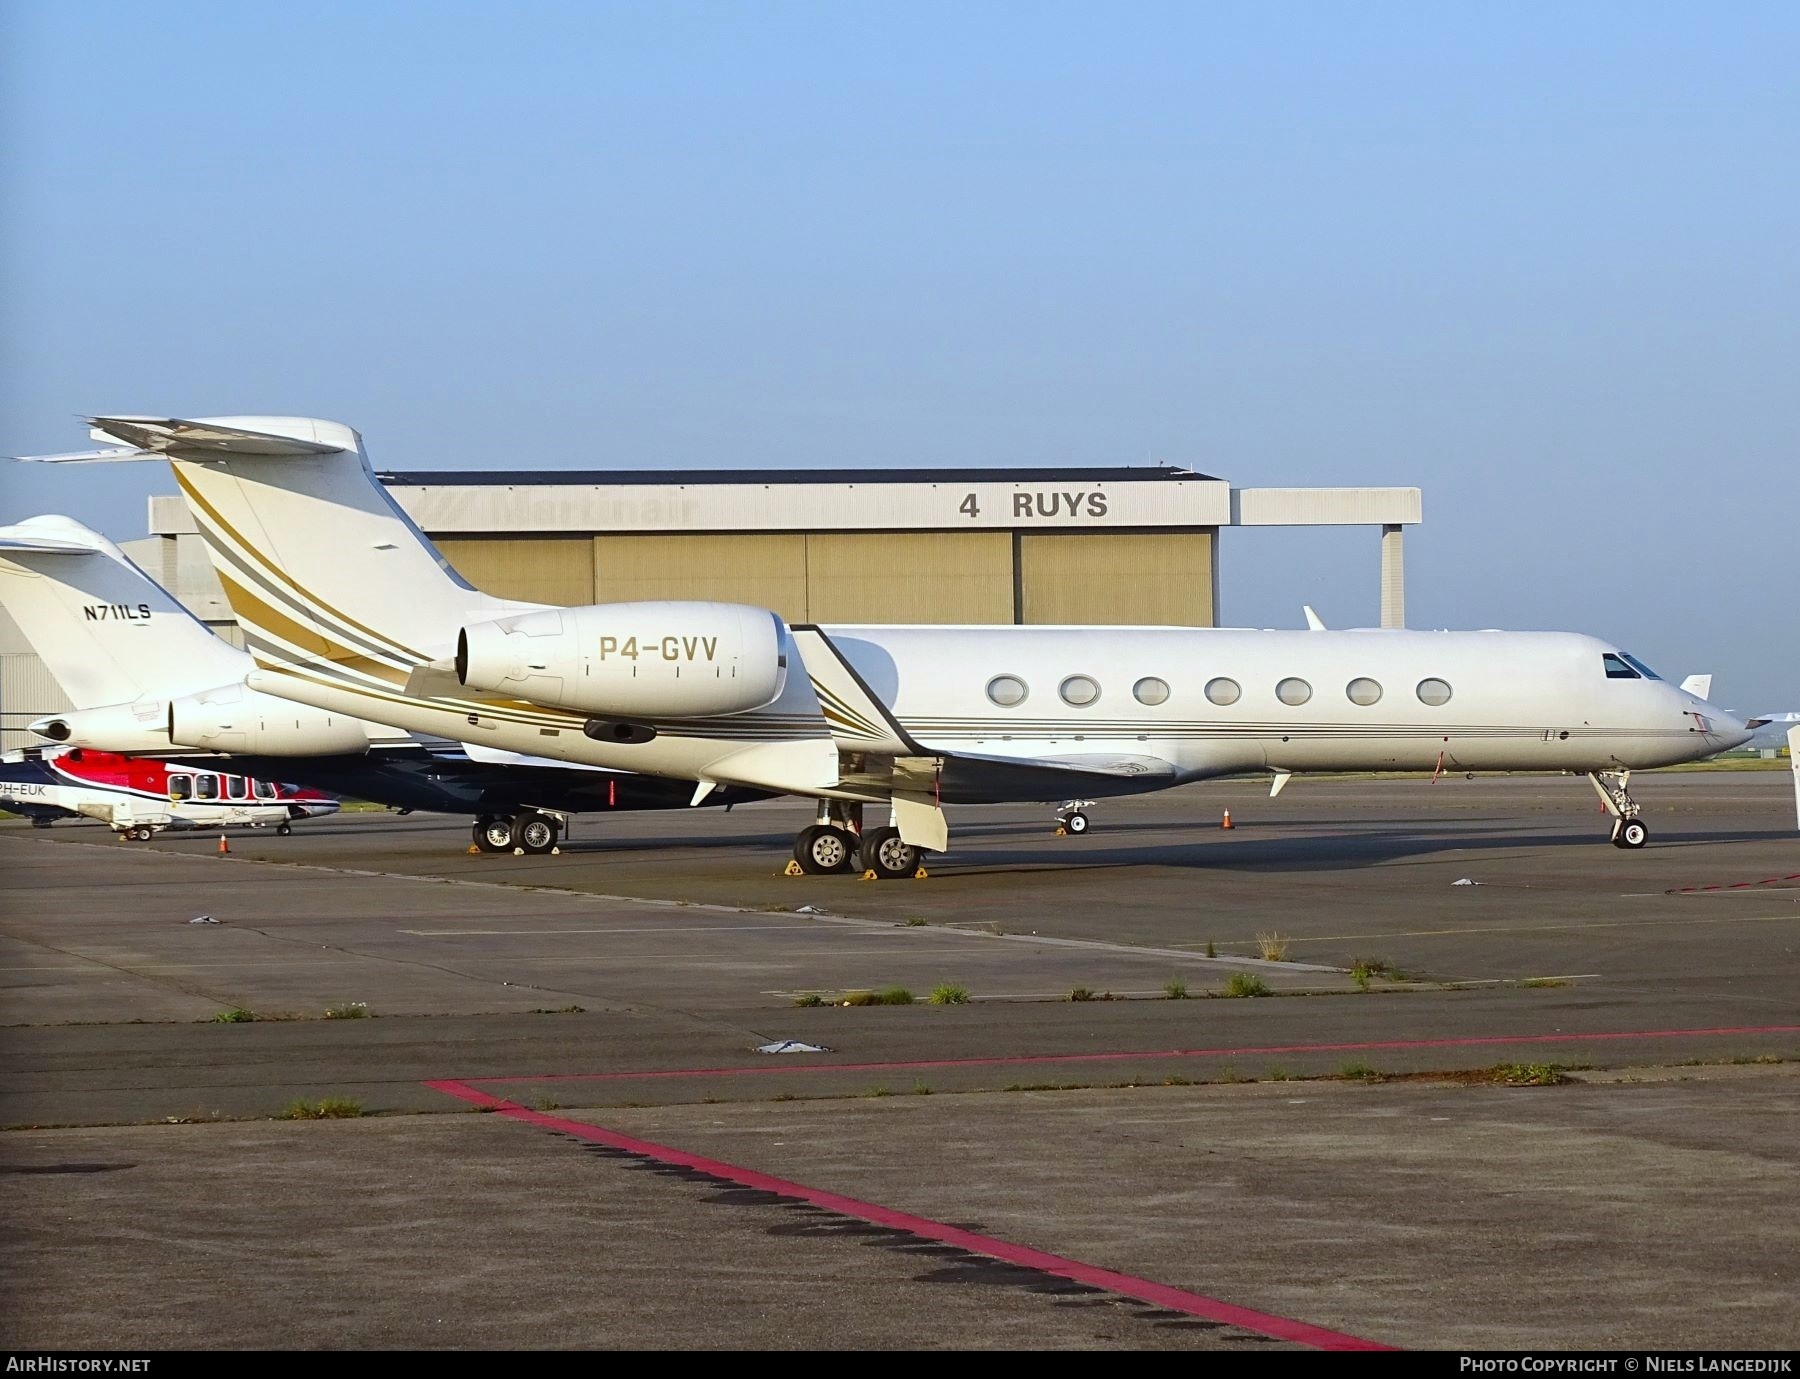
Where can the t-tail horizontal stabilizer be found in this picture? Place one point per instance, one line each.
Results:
(149, 438)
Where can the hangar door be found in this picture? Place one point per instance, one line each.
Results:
(819, 576)
(1118, 578)
(909, 577)
(766, 570)
(532, 569)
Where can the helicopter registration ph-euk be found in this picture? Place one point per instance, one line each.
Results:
(138, 798)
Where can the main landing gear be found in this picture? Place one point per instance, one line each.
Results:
(1628, 831)
(529, 833)
(832, 844)
(1071, 818)
(838, 843)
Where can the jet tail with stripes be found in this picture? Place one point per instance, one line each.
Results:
(320, 565)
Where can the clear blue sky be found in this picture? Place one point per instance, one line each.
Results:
(1539, 260)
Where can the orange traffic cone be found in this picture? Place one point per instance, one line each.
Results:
(1226, 821)
(224, 847)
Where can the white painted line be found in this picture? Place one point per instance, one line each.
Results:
(1522, 981)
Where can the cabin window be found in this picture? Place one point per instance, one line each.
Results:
(1007, 690)
(181, 787)
(1434, 692)
(1151, 691)
(1616, 669)
(1079, 690)
(1639, 666)
(1293, 692)
(262, 789)
(1364, 691)
(206, 786)
(234, 788)
(1223, 691)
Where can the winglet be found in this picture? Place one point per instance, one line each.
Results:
(1314, 623)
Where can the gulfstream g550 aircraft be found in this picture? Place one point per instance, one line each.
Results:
(347, 607)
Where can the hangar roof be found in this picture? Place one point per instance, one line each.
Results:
(486, 478)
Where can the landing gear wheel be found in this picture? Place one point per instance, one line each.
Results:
(887, 856)
(493, 834)
(138, 834)
(1632, 834)
(821, 849)
(534, 834)
(1075, 823)
(284, 829)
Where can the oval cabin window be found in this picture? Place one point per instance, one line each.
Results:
(1007, 690)
(1080, 690)
(1293, 692)
(1364, 691)
(1223, 691)
(1434, 692)
(1151, 691)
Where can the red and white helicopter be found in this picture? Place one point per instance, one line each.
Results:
(138, 798)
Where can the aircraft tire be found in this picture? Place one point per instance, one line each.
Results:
(1632, 835)
(534, 834)
(284, 829)
(821, 850)
(887, 856)
(1075, 823)
(493, 833)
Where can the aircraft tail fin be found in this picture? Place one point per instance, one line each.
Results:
(326, 574)
(1793, 737)
(106, 632)
(1700, 686)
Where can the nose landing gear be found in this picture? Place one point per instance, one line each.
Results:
(1628, 830)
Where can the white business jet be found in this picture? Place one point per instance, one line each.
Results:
(347, 607)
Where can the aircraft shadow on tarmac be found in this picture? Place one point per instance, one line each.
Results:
(1307, 852)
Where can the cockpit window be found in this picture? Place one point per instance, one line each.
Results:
(1639, 666)
(1618, 669)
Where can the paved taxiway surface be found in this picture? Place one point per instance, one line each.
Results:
(1345, 1206)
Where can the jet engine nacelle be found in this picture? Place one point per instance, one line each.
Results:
(630, 660)
(139, 727)
(236, 719)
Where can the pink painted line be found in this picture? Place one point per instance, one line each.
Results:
(1023, 1060)
(1126, 1285)
(1733, 886)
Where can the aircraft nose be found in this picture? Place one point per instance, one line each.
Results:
(1729, 730)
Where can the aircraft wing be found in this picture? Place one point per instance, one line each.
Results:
(973, 777)
(12, 539)
(496, 756)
